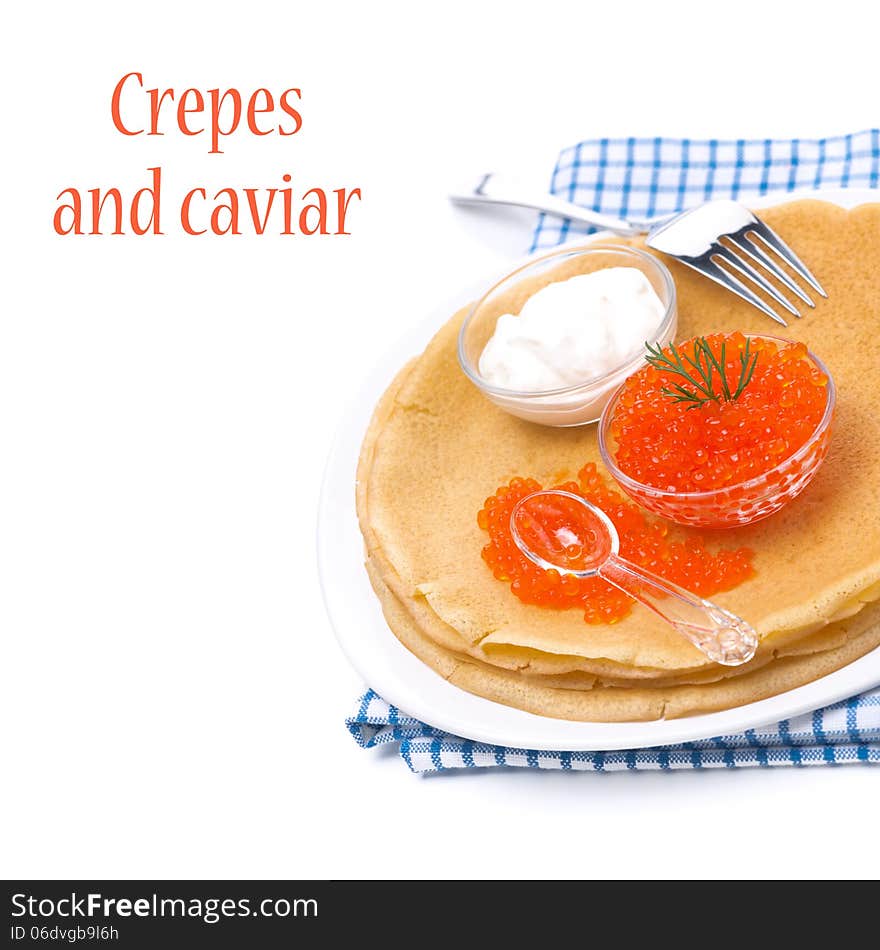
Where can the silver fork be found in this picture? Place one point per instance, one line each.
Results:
(751, 249)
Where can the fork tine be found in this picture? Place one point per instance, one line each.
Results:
(746, 269)
(710, 269)
(772, 239)
(764, 260)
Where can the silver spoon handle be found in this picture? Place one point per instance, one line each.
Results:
(721, 635)
(494, 189)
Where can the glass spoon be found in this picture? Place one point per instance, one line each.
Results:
(558, 530)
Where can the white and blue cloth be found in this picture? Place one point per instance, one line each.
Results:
(844, 733)
(640, 178)
(643, 177)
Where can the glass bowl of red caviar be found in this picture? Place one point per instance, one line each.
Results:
(720, 463)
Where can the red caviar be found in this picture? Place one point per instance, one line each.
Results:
(664, 444)
(646, 542)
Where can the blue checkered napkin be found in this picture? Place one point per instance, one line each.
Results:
(643, 177)
(847, 732)
(639, 178)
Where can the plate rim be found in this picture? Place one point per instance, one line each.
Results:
(403, 680)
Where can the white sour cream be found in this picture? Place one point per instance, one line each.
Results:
(572, 331)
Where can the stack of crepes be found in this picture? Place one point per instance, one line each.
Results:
(436, 448)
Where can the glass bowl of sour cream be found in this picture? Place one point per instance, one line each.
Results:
(552, 340)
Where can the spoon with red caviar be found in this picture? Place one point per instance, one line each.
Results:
(558, 530)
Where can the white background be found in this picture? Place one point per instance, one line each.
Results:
(172, 695)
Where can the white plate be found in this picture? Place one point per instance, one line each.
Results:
(393, 672)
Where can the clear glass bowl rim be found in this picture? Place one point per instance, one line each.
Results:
(641, 487)
(625, 250)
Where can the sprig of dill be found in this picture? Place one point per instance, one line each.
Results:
(701, 375)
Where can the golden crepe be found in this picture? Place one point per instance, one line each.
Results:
(598, 703)
(436, 448)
